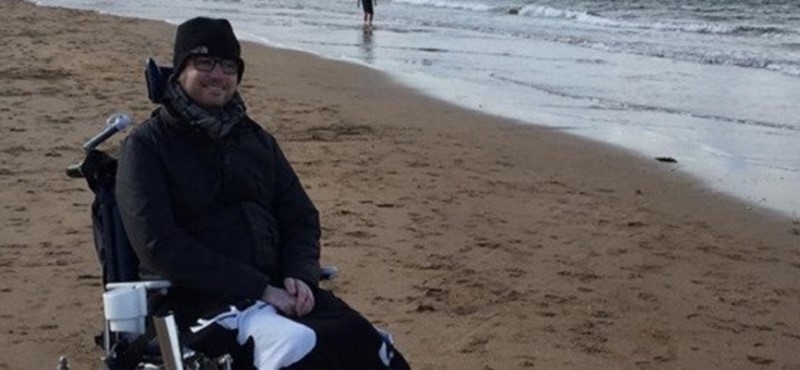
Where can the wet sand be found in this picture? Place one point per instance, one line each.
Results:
(479, 243)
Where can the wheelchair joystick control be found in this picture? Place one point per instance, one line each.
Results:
(63, 364)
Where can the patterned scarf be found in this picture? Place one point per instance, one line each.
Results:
(216, 125)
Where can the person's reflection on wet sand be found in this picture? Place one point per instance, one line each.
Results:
(366, 44)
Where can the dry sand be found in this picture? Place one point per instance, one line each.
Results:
(480, 243)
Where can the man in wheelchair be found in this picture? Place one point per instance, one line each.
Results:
(209, 201)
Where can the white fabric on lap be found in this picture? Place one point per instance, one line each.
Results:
(279, 342)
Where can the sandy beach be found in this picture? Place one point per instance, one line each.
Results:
(478, 242)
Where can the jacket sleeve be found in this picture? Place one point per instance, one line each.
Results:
(298, 222)
(147, 214)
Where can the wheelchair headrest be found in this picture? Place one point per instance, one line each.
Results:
(156, 77)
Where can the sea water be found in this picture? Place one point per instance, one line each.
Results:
(713, 84)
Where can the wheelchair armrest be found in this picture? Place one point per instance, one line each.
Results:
(146, 284)
(326, 273)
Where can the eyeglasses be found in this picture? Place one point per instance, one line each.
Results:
(207, 64)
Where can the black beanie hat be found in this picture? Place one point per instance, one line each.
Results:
(206, 36)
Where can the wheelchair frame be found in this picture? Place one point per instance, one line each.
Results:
(120, 264)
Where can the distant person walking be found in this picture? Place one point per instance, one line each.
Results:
(367, 6)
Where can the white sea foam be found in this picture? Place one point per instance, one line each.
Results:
(580, 16)
(691, 27)
(466, 5)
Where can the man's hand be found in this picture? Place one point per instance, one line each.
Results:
(302, 295)
(296, 300)
(281, 299)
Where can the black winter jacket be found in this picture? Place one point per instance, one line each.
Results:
(224, 217)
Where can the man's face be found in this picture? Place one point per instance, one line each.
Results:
(210, 82)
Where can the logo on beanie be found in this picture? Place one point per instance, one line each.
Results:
(199, 50)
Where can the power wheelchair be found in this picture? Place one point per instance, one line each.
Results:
(139, 331)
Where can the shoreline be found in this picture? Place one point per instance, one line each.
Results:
(518, 245)
(755, 186)
(761, 201)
